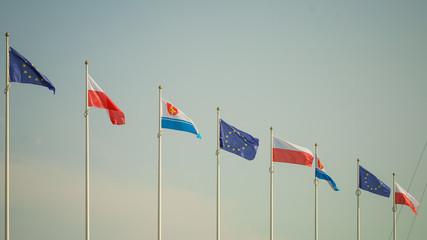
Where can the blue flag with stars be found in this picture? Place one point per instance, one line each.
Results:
(23, 71)
(370, 183)
(236, 141)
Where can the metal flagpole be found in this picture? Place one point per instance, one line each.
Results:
(159, 190)
(218, 226)
(316, 183)
(6, 167)
(87, 153)
(394, 206)
(271, 183)
(358, 206)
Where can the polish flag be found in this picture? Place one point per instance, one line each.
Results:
(403, 197)
(287, 152)
(97, 98)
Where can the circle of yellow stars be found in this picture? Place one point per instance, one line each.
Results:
(234, 149)
(29, 76)
(372, 188)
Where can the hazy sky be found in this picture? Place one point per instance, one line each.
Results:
(349, 75)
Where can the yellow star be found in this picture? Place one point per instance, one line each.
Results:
(243, 136)
(366, 178)
(234, 130)
(366, 182)
(29, 76)
(246, 144)
(371, 188)
(233, 149)
(32, 65)
(25, 71)
(36, 79)
(226, 136)
(243, 148)
(238, 149)
(367, 185)
(226, 141)
(244, 139)
(375, 189)
(24, 65)
(228, 145)
(229, 132)
(42, 80)
(367, 174)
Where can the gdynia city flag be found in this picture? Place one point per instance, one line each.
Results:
(23, 71)
(175, 119)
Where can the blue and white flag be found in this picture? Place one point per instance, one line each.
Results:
(175, 119)
(321, 174)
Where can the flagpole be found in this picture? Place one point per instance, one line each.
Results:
(159, 190)
(271, 183)
(87, 153)
(6, 92)
(218, 226)
(394, 206)
(358, 206)
(316, 183)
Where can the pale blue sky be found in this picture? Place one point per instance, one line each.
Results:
(349, 75)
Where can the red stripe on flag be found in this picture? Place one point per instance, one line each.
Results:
(290, 156)
(101, 100)
(401, 198)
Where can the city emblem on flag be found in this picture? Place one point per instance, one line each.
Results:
(172, 110)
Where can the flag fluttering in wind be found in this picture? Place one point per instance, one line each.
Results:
(23, 71)
(97, 98)
(287, 152)
(321, 174)
(370, 183)
(403, 197)
(173, 118)
(238, 142)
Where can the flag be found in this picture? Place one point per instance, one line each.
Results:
(236, 141)
(321, 174)
(173, 118)
(370, 183)
(287, 152)
(97, 98)
(23, 71)
(403, 197)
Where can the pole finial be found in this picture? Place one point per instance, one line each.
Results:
(358, 160)
(394, 174)
(160, 86)
(271, 128)
(7, 34)
(315, 144)
(217, 109)
(86, 62)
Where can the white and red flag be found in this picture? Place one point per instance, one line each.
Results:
(97, 98)
(287, 152)
(403, 197)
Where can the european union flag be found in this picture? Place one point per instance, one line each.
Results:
(236, 141)
(21, 70)
(370, 183)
